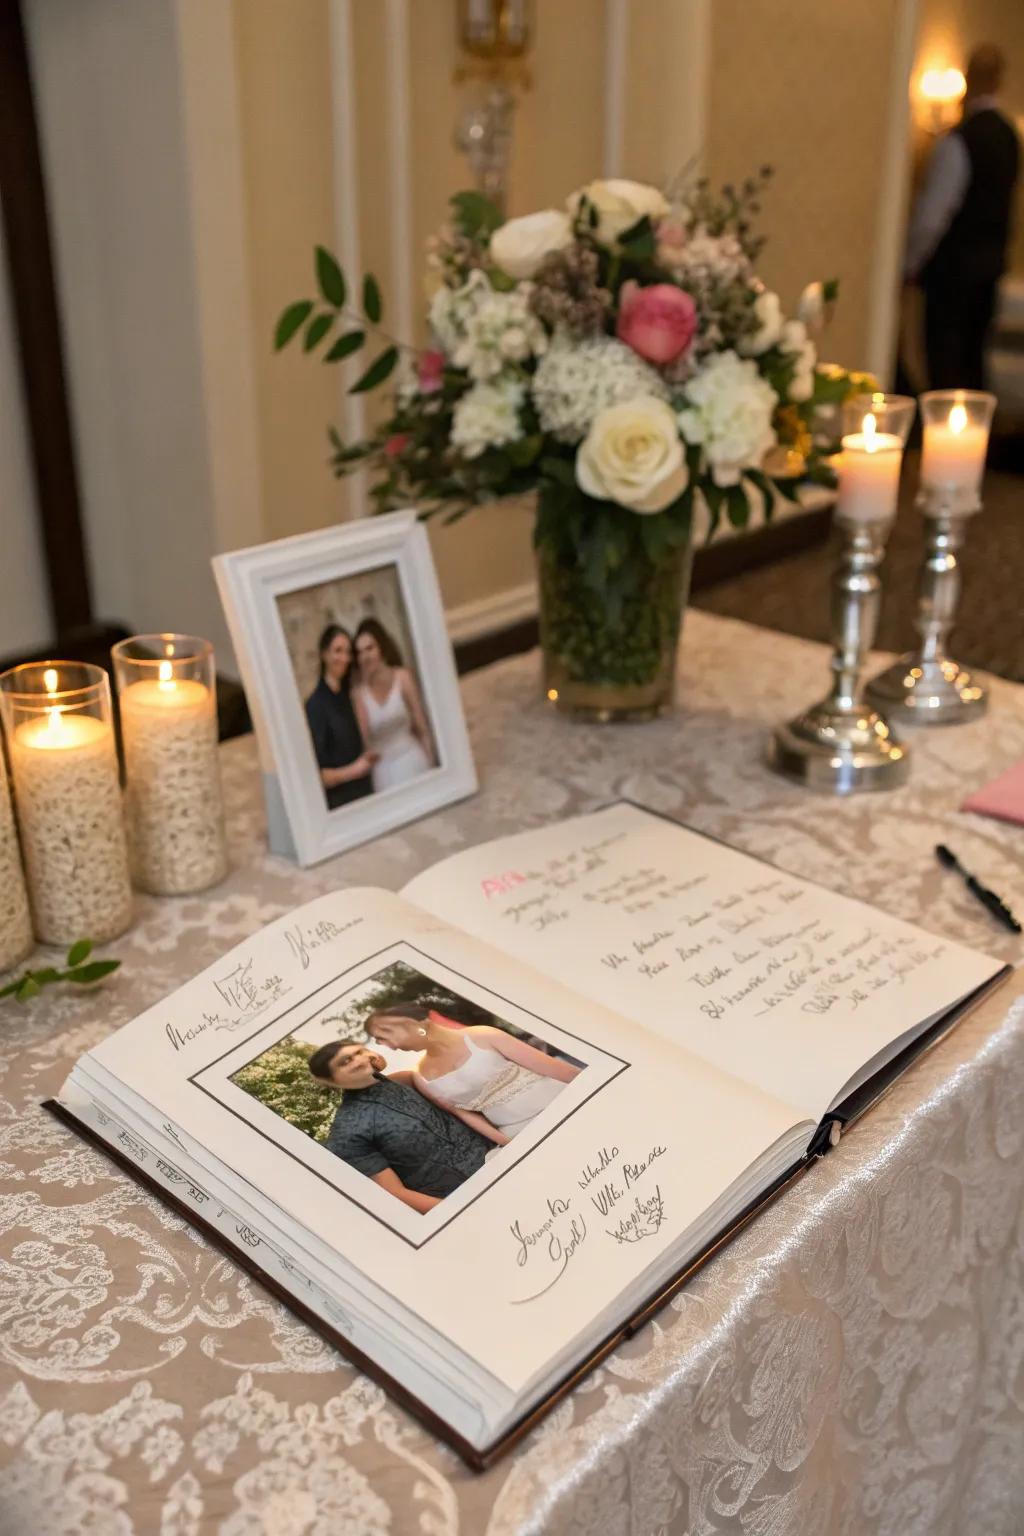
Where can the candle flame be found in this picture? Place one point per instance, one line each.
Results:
(53, 722)
(166, 672)
(870, 432)
(957, 419)
(50, 679)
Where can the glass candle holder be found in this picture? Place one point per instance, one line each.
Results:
(956, 424)
(166, 687)
(875, 432)
(15, 919)
(67, 792)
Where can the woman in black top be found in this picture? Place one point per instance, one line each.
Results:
(345, 765)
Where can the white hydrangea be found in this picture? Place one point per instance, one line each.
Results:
(729, 413)
(483, 330)
(796, 343)
(577, 379)
(487, 416)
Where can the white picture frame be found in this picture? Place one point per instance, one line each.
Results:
(251, 583)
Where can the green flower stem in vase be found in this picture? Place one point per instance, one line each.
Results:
(609, 645)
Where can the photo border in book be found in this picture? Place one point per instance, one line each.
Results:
(214, 1079)
(251, 581)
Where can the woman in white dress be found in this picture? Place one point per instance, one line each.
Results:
(389, 709)
(478, 1070)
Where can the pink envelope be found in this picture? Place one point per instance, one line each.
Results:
(1003, 798)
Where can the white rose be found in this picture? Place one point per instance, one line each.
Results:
(619, 205)
(632, 455)
(767, 312)
(520, 246)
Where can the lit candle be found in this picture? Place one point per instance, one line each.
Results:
(954, 452)
(869, 474)
(169, 729)
(68, 797)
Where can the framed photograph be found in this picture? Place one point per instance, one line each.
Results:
(341, 642)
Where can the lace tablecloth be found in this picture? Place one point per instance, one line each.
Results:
(854, 1363)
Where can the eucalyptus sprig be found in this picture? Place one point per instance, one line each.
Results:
(78, 969)
(334, 289)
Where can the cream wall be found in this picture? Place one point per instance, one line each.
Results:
(806, 88)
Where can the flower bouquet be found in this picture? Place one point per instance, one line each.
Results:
(620, 359)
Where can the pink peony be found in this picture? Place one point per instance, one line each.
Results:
(396, 445)
(431, 375)
(658, 322)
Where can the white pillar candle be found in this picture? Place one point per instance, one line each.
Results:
(68, 797)
(954, 452)
(175, 809)
(869, 475)
(15, 921)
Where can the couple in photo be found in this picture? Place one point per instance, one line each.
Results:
(366, 716)
(420, 1134)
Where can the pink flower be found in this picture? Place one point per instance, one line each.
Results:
(658, 322)
(431, 374)
(396, 445)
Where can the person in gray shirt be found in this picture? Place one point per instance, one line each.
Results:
(390, 1132)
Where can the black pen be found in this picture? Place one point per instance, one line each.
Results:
(988, 898)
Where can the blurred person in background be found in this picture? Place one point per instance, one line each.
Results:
(960, 228)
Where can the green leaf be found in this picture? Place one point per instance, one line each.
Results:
(330, 277)
(28, 988)
(373, 306)
(84, 975)
(500, 281)
(317, 330)
(290, 321)
(345, 346)
(10, 989)
(638, 242)
(377, 372)
(830, 290)
(561, 470)
(525, 450)
(475, 214)
(737, 506)
(79, 952)
(45, 976)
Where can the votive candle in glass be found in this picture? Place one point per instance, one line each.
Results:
(15, 919)
(67, 794)
(956, 430)
(876, 430)
(166, 687)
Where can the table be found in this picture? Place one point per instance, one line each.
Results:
(853, 1363)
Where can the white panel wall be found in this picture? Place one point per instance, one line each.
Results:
(24, 604)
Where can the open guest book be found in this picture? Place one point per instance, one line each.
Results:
(644, 1035)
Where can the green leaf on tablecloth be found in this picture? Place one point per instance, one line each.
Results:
(290, 321)
(79, 952)
(330, 277)
(84, 975)
(28, 988)
(377, 372)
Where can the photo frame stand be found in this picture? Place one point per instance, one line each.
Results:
(280, 840)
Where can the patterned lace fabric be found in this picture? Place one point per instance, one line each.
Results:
(852, 1365)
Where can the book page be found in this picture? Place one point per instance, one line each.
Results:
(612, 1142)
(768, 977)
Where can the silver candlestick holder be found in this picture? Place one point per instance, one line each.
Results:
(841, 744)
(927, 687)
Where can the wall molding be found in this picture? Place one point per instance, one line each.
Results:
(345, 178)
(486, 615)
(616, 47)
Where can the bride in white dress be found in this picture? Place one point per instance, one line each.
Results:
(495, 1082)
(389, 710)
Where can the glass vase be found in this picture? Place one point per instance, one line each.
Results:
(612, 656)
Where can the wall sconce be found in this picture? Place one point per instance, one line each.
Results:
(939, 94)
(494, 36)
